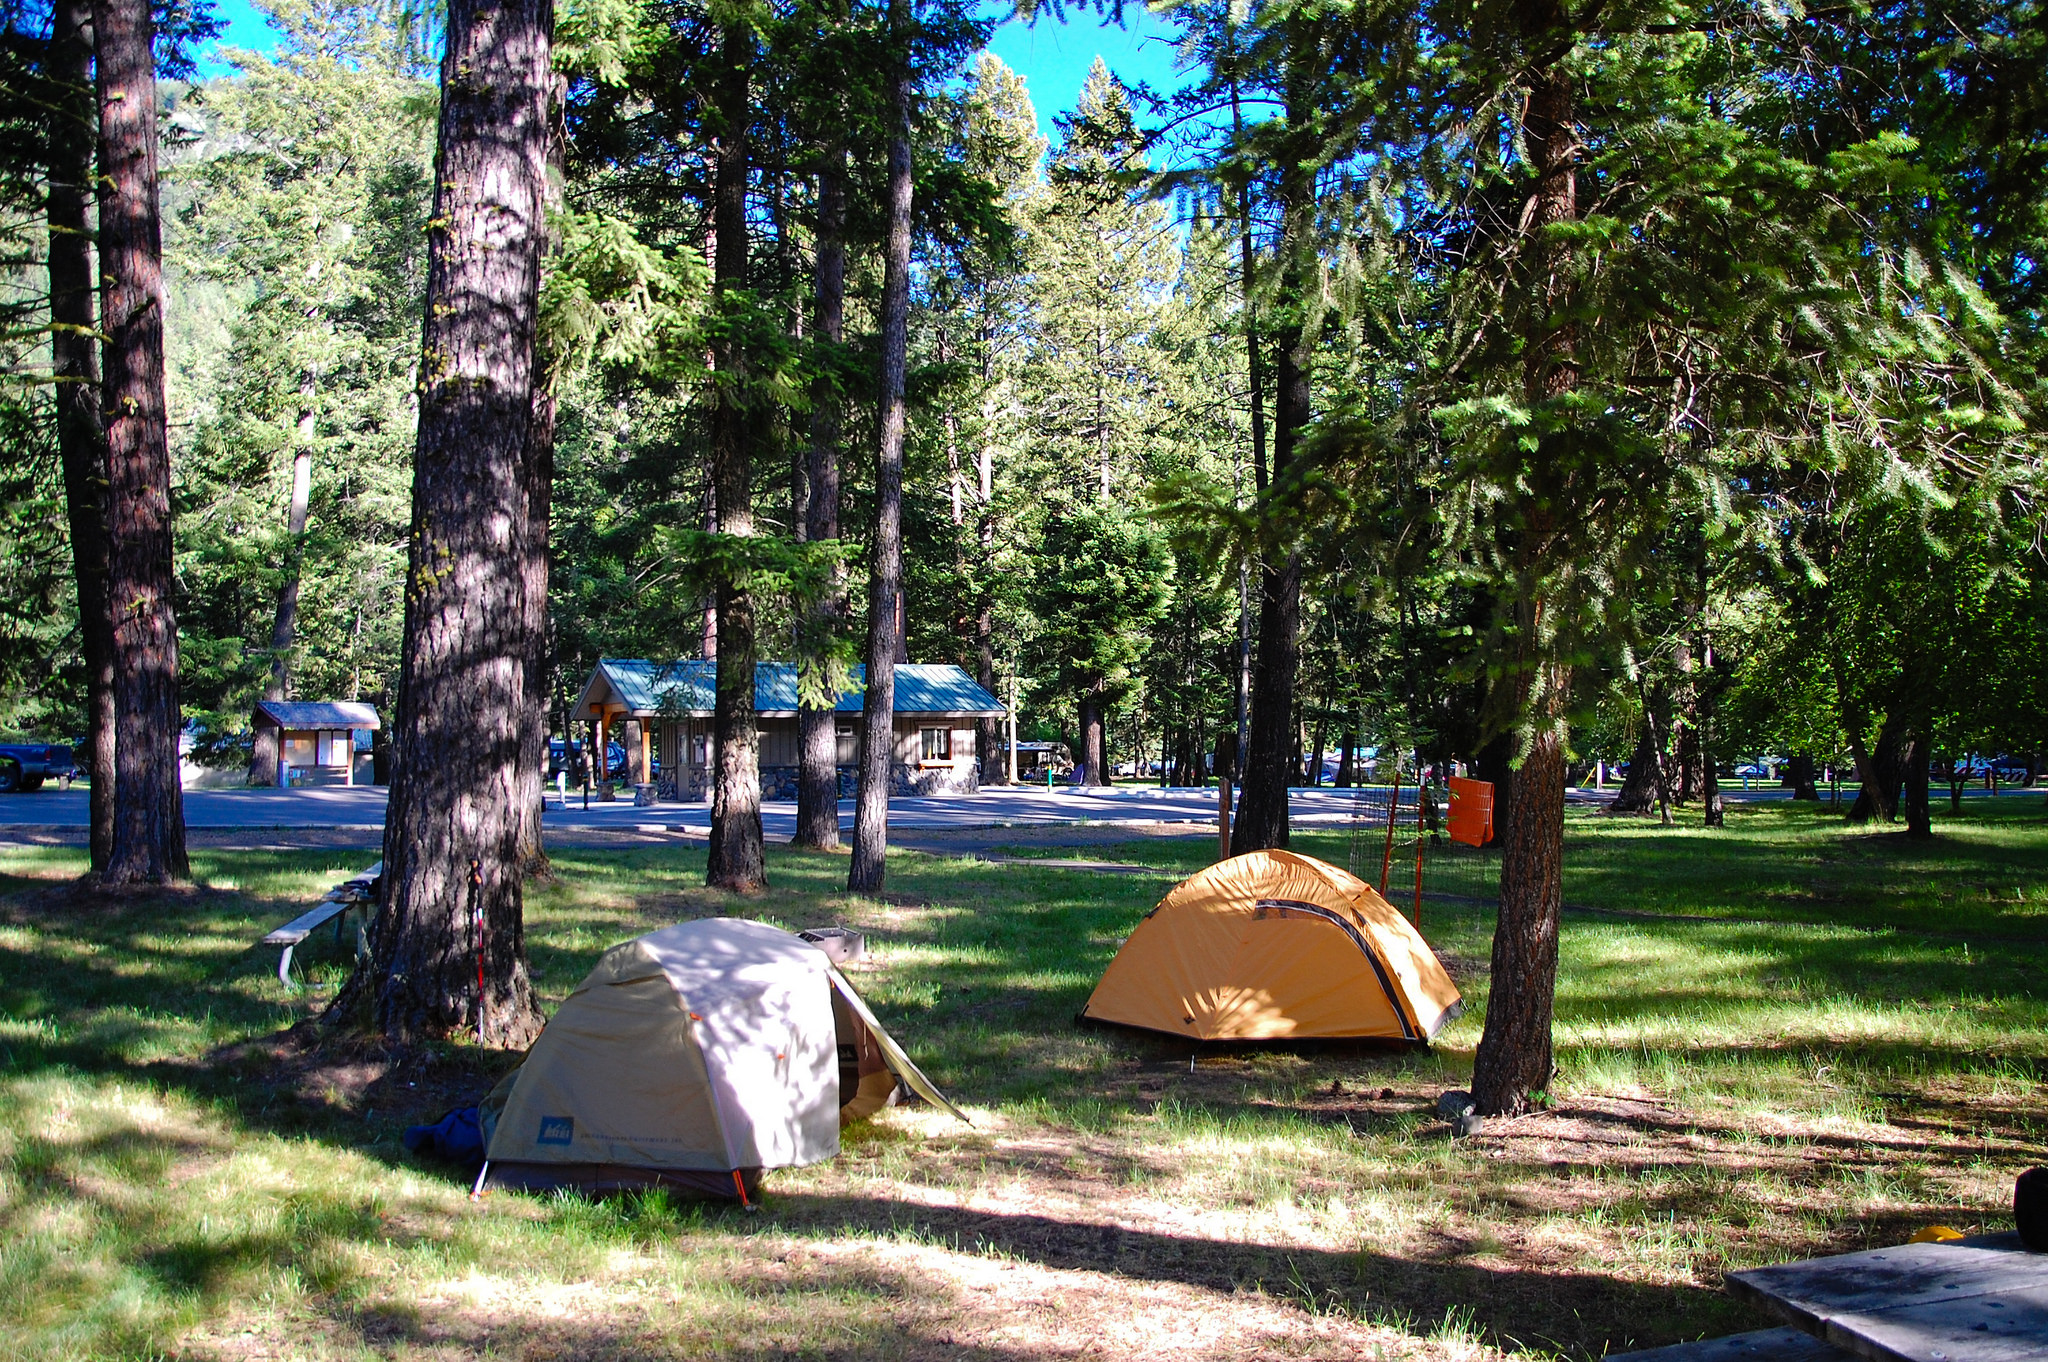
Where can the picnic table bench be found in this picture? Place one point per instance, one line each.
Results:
(334, 906)
(1980, 1299)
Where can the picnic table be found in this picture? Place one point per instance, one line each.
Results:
(334, 906)
(1980, 1299)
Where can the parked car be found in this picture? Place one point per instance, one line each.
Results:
(24, 766)
(563, 755)
(1755, 770)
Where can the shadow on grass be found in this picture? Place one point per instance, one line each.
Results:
(1527, 1306)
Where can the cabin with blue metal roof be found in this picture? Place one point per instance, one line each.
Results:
(660, 712)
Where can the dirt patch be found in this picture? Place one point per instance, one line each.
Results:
(312, 1066)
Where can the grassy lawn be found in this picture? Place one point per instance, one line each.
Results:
(1808, 1039)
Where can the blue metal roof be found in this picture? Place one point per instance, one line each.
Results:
(686, 687)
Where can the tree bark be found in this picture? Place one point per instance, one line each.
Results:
(1494, 764)
(1094, 739)
(149, 813)
(1638, 792)
(737, 861)
(284, 627)
(448, 950)
(1799, 776)
(885, 581)
(537, 477)
(74, 365)
(1347, 760)
(1714, 815)
(989, 734)
(817, 794)
(1514, 1056)
(1261, 820)
(1879, 775)
(1916, 754)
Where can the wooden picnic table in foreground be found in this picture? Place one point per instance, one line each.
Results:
(1982, 1299)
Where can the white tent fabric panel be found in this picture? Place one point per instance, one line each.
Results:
(762, 1016)
(615, 1078)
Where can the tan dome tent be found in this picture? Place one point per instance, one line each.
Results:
(694, 1057)
(1275, 946)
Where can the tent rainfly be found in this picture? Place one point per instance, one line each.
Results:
(1275, 946)
(694, 1057)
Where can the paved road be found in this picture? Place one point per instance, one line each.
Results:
(1018, 806)
(994, 816)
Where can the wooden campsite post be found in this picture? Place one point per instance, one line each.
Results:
(1222, 816)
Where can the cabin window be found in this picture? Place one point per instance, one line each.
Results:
(935, 744)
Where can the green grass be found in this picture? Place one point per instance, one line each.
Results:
(1818, 1039)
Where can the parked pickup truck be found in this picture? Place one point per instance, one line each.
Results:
(24, 766)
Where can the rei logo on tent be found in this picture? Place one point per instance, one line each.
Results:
(556, 1130)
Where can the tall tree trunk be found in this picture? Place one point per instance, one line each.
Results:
(1638, 793)
(74, 365)
(1685, 721)
(1261, 819)
(1514, 1055)
(1347, 759)
(1799, 775)
(885, 580)
(1494, 764)
(284, 626)
(1706, 691)
(737, 861)
(537, 477)
(1094, 738)
(149, 810)
(453, 884)
(817, 793)
(1913, 782)
(988, 736)
(1879, 774)
(1660, 775)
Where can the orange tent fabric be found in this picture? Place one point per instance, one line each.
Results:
(1273, 946)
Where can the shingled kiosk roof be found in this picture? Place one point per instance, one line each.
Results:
(317, 714)
(687, 687)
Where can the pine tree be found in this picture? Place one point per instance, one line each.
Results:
(448, 947)
(149, 816)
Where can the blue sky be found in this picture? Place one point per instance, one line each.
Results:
(1052, 56)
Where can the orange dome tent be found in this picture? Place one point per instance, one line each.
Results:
(1275, 946)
